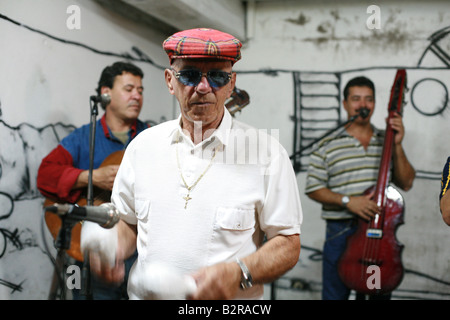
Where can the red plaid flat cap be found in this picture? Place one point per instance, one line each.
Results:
(203, 43)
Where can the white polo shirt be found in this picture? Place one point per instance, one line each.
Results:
(249, 190)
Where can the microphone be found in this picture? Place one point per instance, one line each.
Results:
(104, 99)
(106, 215)
(364, 112)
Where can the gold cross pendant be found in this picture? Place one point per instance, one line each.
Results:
(187, 198)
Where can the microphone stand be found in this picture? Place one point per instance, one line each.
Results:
(85, 274)
(300, 152)
(90, 189)
(62, 241)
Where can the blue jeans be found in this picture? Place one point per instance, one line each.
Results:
(337, 232)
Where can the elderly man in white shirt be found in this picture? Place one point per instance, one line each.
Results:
(197, 195)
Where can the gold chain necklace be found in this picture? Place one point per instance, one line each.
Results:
(189, 188)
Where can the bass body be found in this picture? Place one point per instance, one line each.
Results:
(372, 263)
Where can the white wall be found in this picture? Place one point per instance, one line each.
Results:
(45, 82)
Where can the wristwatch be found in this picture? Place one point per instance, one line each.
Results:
(246, 277)
(345, 200)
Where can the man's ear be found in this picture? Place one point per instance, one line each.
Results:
(233, 83)
(168, 76)
(104, 90)
(345, 105)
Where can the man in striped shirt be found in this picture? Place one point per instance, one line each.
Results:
(342, 167)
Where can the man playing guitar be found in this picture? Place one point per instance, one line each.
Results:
(63, 173)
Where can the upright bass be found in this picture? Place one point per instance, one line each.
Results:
(371, 263)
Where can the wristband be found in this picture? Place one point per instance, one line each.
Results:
(246, 277)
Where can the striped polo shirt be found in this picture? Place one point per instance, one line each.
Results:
(341, 164)
(445, 179)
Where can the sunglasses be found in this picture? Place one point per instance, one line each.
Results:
(192, 77)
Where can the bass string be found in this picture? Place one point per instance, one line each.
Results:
(364, 257)
(370, 254)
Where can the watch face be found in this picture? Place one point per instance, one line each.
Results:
(345, 200)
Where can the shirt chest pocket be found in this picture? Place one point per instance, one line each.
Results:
(229, 218)
(142, 207)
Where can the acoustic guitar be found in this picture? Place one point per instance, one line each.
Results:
(54, 222)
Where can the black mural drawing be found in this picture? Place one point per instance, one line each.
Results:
(438, 40)
(316, 110)
(25, 147)
(435, 85)
(7, 236)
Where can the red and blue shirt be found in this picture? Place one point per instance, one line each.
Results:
(60, 169)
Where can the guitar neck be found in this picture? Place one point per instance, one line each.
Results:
(384, 171)
(395, 106)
